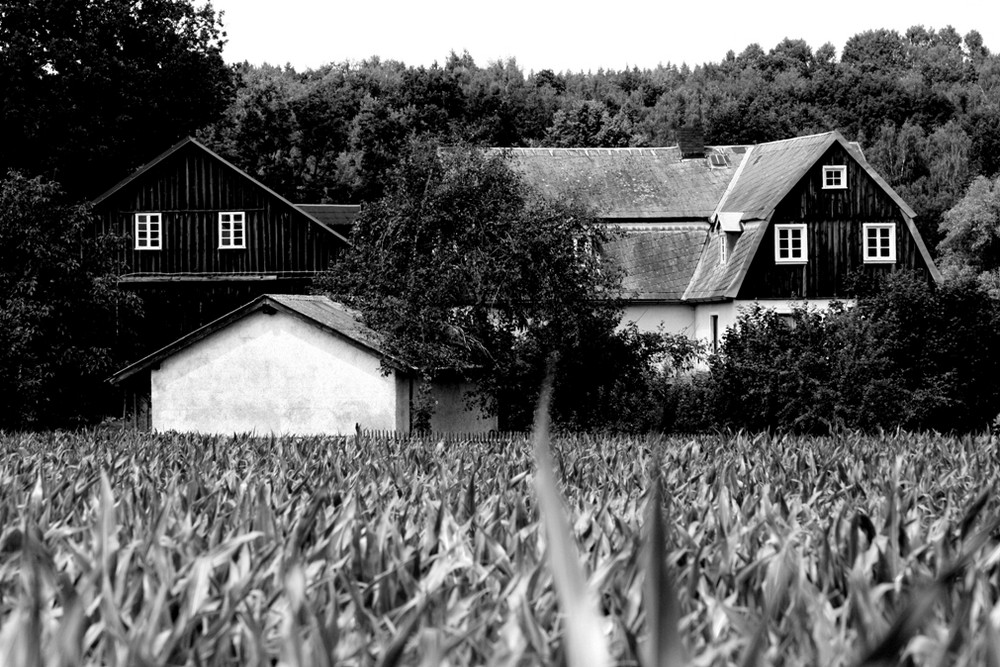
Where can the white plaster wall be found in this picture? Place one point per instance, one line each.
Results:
(274, 374)
(451, 414)
(727, 312)
(674, 317)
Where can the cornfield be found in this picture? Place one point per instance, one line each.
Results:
(122, 548)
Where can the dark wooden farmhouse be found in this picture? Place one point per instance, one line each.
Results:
(710, 229)
(201, 237)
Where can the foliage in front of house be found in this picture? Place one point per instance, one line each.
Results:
(466, 270)
(909, 354)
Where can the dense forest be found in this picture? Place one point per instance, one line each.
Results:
(924, 105)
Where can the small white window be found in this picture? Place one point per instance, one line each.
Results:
(879, 242)
(148, 231)
(723, 250)
(790, 244)
(834, 177)
(232, 230)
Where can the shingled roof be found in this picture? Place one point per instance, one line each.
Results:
(632, 183)
(672, 259)
(658, 263)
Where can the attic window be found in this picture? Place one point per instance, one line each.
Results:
(879, 242)
(232, 230)
(717, 161)
(790, 244)
(148, 231)
(835, 177)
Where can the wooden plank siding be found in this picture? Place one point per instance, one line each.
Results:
(834, 222)
(190, 281)
(189, 189)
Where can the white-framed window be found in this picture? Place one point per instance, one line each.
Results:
(835, 177)
(232, 230)
(723, 249)
(879, 242)
(790, 244)
(148, 231)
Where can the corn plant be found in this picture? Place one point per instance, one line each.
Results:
(120, 548)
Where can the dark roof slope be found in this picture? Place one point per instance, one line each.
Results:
(631, 183)
(657, 263)
(320, 311)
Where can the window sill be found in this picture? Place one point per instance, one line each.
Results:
(790, 262)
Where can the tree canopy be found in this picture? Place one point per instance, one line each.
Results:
(923, 104)
(89, 90)
(971, 246)
(465, 270)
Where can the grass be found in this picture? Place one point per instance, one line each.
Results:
(129, 549)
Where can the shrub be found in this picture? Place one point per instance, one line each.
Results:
(58, 304)
(908, 354)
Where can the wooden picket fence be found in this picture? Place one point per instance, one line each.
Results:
(424, 436)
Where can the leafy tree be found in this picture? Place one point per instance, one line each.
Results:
(88, 89)
(58, 306)
(971, 245)
(588, 124)
(464, 269)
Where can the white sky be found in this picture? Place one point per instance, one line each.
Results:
(579, 36)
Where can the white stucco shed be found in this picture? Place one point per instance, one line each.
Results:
(283, 364)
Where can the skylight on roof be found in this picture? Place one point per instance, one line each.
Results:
(717, 161)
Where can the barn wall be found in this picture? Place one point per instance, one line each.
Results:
(273, 374)
(190, 188)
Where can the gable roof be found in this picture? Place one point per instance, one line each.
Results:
(648, 185)
(197, 145)
(774, 168)
(319, 311)
(631, 183)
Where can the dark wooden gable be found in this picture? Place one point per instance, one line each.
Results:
(189, 186)
(834, 220)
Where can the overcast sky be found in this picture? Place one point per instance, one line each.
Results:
(563, 36)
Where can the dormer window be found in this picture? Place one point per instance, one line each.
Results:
(835, 177)
(790, 244)
(148, 231)
(232, 230)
